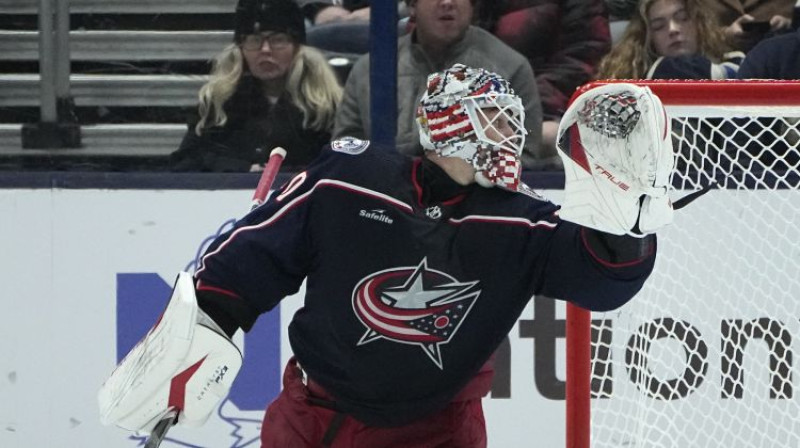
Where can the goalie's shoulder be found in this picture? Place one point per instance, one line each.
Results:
(355, 160)
(355, 154)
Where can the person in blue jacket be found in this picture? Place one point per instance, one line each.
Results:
(773, 58)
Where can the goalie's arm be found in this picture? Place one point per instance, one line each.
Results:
(229, 313)
(618, 249)
(593, 269)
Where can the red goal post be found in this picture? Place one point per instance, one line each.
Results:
(703, 355)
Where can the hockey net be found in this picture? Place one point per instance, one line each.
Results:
(704, 355)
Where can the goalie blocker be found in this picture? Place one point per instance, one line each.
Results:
(185, 365)
(617, 151)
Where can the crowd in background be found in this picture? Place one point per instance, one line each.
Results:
(275, 85)
(546, 49)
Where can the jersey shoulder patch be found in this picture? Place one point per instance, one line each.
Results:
(350, 145)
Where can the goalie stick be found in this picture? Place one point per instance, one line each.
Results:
(160, 431)
(265, 182)
(276, 157)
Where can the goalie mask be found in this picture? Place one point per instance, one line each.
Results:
(454, 118)
(616, 145)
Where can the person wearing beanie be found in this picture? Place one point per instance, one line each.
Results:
(266, 89)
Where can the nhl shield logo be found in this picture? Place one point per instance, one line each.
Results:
(433, 212)
(413, 305)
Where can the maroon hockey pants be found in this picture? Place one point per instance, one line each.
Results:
(291, 421)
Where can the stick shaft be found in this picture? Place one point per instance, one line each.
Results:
(268, 177)
(160, 431)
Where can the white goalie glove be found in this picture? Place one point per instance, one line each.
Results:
(616, 146)
(185, 365)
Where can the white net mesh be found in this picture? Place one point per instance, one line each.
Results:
(704, 355)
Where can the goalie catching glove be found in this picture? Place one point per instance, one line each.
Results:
(616, 146)
(185, 365)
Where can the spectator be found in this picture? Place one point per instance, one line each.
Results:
(267, 89)
(671, 39)
(774, 58)
(746, 22)
(340, 25)
(563, 40)
(441, 36)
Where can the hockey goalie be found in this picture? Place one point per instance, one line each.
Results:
(416, 269)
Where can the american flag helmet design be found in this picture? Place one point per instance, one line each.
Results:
(449, 114)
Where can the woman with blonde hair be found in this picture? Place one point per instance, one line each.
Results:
(671, 39)
(267, 89)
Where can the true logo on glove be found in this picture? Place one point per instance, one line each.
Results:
(622, 185)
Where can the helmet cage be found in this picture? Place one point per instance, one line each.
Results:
(489, 128)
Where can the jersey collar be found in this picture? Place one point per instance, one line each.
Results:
(434, 186)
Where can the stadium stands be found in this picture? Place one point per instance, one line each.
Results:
(136, 68)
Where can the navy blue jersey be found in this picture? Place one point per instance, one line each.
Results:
(409, 291)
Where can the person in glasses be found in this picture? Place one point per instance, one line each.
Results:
(266, 89)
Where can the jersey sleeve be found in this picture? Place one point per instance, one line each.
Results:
(266, 256)
(577, 272)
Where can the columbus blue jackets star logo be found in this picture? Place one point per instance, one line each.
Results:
(413, 305)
